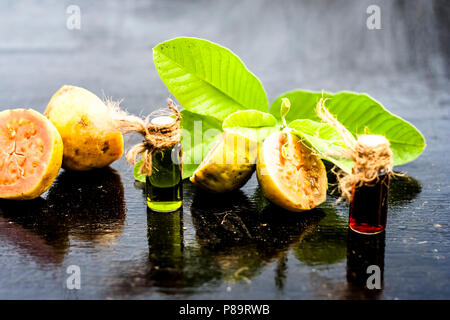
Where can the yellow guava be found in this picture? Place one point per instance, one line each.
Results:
(84, 122)
(229, 164)
(289, 174)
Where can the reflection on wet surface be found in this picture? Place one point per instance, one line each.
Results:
(403, 188)
(165, 247)
(234, 241)
(33, 230)
(89, 207)
(242, 239)
(236, 236)
(327, 244)
(92, 204)
(365, 264)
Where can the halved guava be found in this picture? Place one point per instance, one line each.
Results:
(289, 174)
(228, 165)
(32, 152)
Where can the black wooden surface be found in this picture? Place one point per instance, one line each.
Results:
(235, 246)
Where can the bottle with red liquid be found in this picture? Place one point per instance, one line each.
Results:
(369, 206)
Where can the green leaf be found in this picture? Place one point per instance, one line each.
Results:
(284, 110)
(324, 139)
(360, 114)
(255, 125)
(138, 176)
(199, 135)
(207, 79)
(303, 105)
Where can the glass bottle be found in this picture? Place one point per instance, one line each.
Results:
(369, 202)
(164, 185)
(369, 205)
(165, 240)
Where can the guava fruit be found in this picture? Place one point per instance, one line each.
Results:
(289, 174)
(229, 164)
(32, 151)
(85, 125)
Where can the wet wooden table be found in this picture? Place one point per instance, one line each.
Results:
(235, 246)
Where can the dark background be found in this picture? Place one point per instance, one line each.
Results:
(235, 246)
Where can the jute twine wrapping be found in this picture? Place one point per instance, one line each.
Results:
(369, 161)
(157, 137)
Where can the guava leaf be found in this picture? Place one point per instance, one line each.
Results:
(303, 105)
(253, 124)
(138, 176)
(199, 134)
(324, 139)
(207, 79)
(360, 114)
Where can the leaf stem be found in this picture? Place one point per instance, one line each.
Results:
(284, 110)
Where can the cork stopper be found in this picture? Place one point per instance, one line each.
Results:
(372, 141)
(162, 121)
(159, 133)
(371, 154)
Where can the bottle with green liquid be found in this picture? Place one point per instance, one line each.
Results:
(164, 185)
